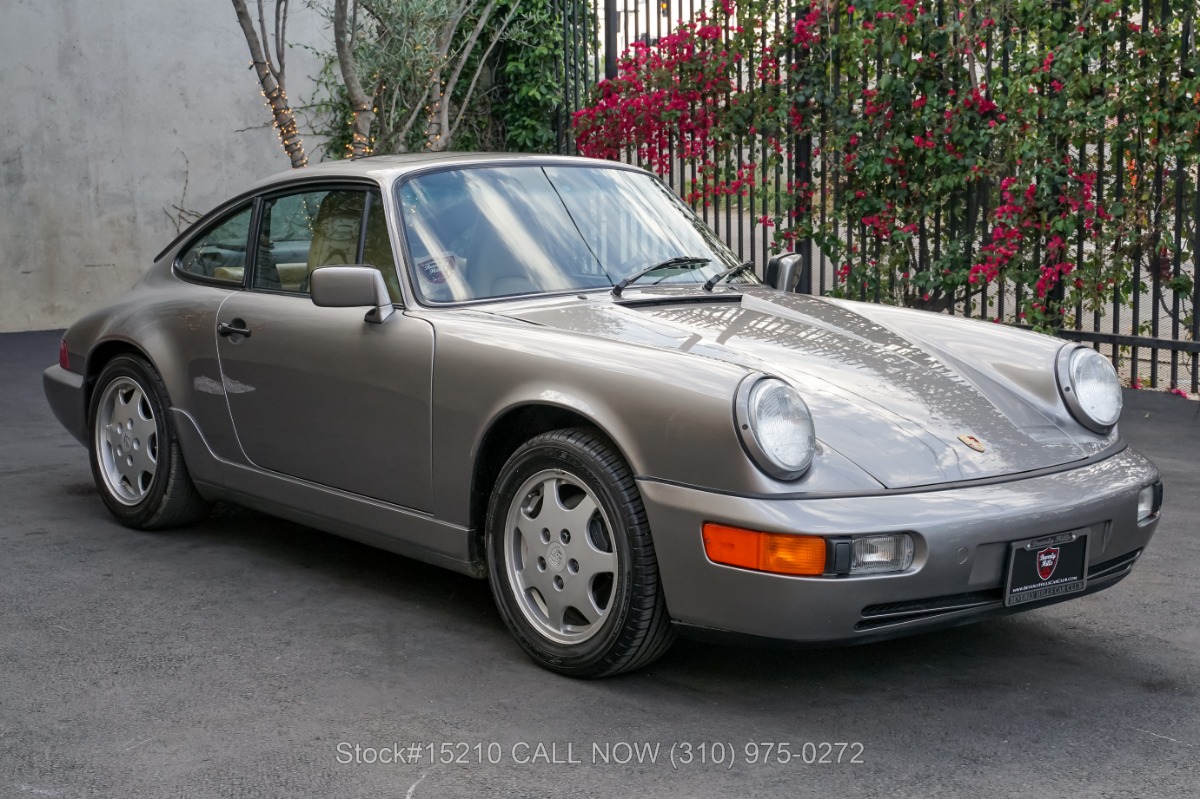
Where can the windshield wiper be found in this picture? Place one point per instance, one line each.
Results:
(682, 260)
(712, 282)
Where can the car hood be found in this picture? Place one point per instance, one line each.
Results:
(894, 391)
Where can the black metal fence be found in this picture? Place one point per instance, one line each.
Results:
(1153, 336)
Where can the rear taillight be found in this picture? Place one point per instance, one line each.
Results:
(64, 360)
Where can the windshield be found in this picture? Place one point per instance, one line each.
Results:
(478, 233)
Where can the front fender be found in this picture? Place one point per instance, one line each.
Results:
(670, 413)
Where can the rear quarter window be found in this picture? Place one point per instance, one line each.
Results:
(219, 253)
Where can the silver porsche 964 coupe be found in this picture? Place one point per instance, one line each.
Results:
(546, 371)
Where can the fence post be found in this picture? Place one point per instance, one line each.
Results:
(611, 21)
(802, 146)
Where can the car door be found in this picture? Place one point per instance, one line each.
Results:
(319, 393)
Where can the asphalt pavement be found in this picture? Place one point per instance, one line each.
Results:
(251, 657)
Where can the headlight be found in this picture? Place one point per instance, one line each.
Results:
(775, 426)
(1090, 387)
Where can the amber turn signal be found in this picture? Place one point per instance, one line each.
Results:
(781, 553)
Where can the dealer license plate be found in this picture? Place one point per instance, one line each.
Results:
(1046, 567)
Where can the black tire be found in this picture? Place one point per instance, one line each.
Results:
(161, 493)
(633, 628)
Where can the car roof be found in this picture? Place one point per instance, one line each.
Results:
(383, 168)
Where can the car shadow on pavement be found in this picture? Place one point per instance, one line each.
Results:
(336, 562)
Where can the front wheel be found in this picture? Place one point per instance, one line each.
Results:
(136, 461)
(570, 558)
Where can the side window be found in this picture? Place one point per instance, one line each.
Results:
(302, 231)
(220, 252)
(377, 246)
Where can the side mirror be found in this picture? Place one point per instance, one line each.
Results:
(351, 287)
(788, 272)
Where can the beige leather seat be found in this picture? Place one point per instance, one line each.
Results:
(335, 238)
(335, 230)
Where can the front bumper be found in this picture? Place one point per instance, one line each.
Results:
(961, 538)
(64, 392)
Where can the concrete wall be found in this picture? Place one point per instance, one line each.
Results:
(105, 110)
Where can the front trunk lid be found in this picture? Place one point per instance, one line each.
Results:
(898, 411)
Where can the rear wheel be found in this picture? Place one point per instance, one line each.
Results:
(570, 559)
(136, 461)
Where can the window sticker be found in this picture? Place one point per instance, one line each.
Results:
(435, 267)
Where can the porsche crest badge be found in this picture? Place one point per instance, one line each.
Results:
(972, 442)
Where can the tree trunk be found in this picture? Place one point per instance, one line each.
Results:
(361, 103)
(272, 82)
(438, 131)
(433, 118)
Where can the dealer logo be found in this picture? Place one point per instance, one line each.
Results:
(1047, 560)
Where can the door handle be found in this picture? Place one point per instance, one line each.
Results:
(236, 327)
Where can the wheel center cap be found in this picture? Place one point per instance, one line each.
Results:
(127, 441)
(555, 557)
